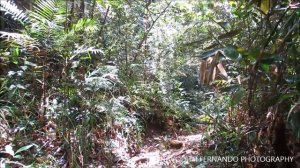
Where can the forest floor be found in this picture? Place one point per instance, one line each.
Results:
(161, 149)
(180, 152)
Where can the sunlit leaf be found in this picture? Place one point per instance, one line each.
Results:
(9, 150)
(116, 3)
(15, 55)
(9, 7)
(204, 118)
(101, 2)
(252, 54)
(30, 64)
(266, 5)
(24, 148)
(241, 50)
(18, 157)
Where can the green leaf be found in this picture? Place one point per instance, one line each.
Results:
(88, 57)
(287, 96)
(237, 97)
(24, 148)
(9, 150)
(252, 54)
(298, 12)
(265, 67)
(101, 2)
(266, 5)
(204, 118)
(15, 55)
(115, 3)
(18, 157)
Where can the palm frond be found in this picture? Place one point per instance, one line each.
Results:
(45, 9)
(88, 25)
(19, 39)
(9, 7)
(104, 77)
(43, 13)
(84, 49)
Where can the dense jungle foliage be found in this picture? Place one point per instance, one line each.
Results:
(149, 83)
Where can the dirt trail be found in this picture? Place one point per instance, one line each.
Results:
(161, 152)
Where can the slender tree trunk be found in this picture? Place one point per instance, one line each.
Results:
(82, 7)
(71, 16)
(92, 9)
(25, 4)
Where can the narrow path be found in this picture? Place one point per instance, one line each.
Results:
(161, 149)
(160, 152)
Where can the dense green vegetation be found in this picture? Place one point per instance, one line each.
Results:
(92, 83)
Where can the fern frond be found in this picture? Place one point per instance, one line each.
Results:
(88, 25)
(9, 7)
(84, 49)
(45, 8)
(19, 39)
(104, 77)
(43, 13)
